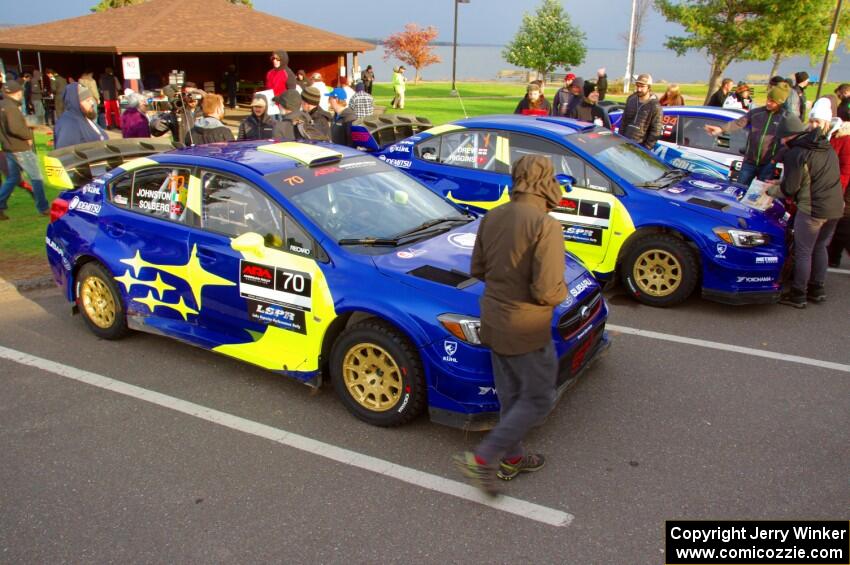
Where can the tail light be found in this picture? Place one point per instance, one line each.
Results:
(58, 208)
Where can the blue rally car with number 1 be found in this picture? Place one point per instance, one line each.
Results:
(626, 214)
(308, 260)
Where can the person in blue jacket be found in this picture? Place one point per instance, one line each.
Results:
(76, 124)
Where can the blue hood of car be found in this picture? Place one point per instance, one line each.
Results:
(444, 261)
(717, 199)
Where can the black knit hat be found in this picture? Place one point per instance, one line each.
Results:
(589, 86)
(802, 76)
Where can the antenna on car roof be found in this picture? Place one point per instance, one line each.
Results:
(457, 93)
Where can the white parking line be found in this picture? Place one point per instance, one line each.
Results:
(839, 271)
(428, 481)
(728, 347)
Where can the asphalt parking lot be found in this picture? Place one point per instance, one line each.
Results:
(148, 450)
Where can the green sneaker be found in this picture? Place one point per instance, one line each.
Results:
(529, 463)
(479, 475)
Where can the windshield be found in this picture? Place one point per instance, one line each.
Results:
(361, 201)
(621, 157)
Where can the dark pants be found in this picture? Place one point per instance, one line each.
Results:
(811, 236)
(525, 385)
(750, 170)
(840, 241)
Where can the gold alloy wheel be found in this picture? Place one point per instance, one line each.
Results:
(98, 302)
(657, 273)
(372, 377)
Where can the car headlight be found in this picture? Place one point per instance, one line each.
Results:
(742, 238)
(465, 328)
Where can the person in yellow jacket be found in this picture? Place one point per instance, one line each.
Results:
(399, 82)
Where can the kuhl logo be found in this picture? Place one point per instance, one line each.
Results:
(450, 347)
(721, 249)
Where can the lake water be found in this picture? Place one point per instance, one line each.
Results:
(484, 63)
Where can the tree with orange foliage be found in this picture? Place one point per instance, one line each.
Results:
(411, 47)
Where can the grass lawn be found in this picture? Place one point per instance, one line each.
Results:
(433, 101)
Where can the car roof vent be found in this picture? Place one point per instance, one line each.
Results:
(454, 278)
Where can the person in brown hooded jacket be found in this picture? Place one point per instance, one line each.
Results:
(519, 254)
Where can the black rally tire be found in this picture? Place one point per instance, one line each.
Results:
(652, 262)
(360, 364)
(100, 303)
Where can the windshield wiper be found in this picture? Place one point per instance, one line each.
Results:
(420, 230)
(380, 241)
(424, 227)
(668, 178)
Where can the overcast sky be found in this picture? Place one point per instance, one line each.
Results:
(480, 21)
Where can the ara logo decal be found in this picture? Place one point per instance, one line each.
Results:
(721, 250)
(257, 274)
(450, 348)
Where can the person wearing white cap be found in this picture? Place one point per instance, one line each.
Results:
(812, 179)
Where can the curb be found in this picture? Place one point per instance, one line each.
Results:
(30, 284)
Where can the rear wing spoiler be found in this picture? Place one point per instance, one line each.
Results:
(373, 133)
(74, 166)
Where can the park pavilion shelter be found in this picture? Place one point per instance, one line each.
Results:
(200, 37)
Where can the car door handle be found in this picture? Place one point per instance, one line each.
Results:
(115, 229)
(208, 254)
(429, 177)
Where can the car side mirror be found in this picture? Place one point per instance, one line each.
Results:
(250, 242)
(567, 181)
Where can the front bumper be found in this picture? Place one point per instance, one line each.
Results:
(738, 298)
(568, 376)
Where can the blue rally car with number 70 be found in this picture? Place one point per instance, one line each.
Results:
(308, 260)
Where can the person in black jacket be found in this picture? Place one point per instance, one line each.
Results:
(602, 83)
(322, 119)
(587, 110)
(209, 129)
(291, 126)
(813, 180)
(719, 97)
(641, 120)
(258, 125)
(343, 117)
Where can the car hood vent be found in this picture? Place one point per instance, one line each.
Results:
(713, 204)
(453, 278)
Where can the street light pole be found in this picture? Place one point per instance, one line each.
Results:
(454, 49)
(627, 79)
(829, 48)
